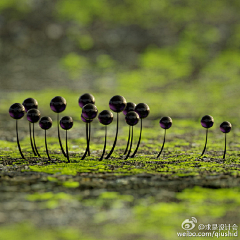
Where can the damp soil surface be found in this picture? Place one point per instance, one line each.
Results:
(137, 198)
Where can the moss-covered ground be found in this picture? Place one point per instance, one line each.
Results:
(181, 58)
(138, 198)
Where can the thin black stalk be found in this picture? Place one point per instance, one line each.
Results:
(35, 143)
(46, 145)
(115, 141)
(225, 149)
(104, 148)
(59, 137)
(86, 151)
(205, 143)
(162, 144)
(67, 148)
(139, 140)
(30, 133)
(129, 151)
(19, 148)
(89, 135)
(129, 132)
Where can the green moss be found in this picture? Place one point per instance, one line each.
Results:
(27, 231)
(48, 196)
(148, 217)
(69, 184)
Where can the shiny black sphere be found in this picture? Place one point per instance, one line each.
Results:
(66, 122)
(207, 121)
(85, 99)
(89, 111)
(165, 122)
(130, 107)
(30, 103)
(33, 115)
(17, 111)
(132, 118)
(142, 109)
(58, 104)
(226, 127)
(45, 123)
(117, 103)
(85, 120)
(105, 117)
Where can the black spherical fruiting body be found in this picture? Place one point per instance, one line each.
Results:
(30, 103)
(226, 127)
(85, 120)
(45, 123)
(117, 103)
(89, 111)
(165, 122)
(85, 99)
(33, 115)
(142, 109)
(66, 123)
(130, 107)
(132, 118)
(105, 117)
(58, 104)
(207, 121)
(17, 111)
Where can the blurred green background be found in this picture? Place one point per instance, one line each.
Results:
(181, 57)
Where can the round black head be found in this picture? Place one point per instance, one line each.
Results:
(142, 109)
(17, 111)
(165, 122)
(45, 123)
(226, 127)
(33, 115)
(132, 118)
(130, 107)
(66, 122)
(117, 103)
(30, 103)
(85, 99)
(207, 121)
(105, 117)
(58, 104)
(85, 120)
(89, 111)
